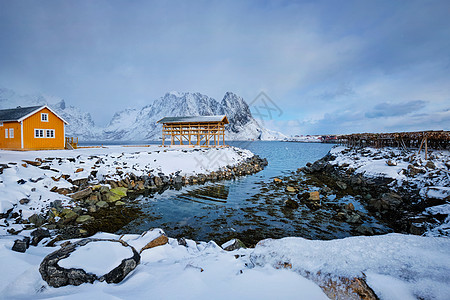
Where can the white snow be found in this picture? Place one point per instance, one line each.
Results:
(97, 257)
(397, 267)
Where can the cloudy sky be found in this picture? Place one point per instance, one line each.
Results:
(327, 66)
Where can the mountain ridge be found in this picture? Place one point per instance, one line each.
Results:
(139, 124)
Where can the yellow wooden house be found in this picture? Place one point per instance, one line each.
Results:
(31, 128)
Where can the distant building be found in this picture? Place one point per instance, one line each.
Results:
(31, 128)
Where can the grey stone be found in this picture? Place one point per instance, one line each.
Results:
(237, 244)
(57, 276)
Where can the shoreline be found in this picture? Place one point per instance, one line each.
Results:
(400, 187)
(66, 187)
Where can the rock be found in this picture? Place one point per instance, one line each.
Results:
(119, 203)
(364, 230)
(111, 197)
(430, 165)
(350, 206)
(341, 185)
(393, 199)
(84, 219)
(314, 196)
(391, 163)
(354, 218)
(33, 163)
(417, 228)
(327, 190)
(37, 220)
(38, 235)
(277, 180)
(102, 204)
(159, 241)
(158, 181)
(290, 189)
(68, 216)
(57, 276)
(79, 170)
(81, 194)
(413, 171)
(21, 181)
(24, 201)
(21, 245)
(289, 203)
(120, 191)
(234, 244)
(57, 204)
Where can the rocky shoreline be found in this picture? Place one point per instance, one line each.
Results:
(401, 205)
(103, 205)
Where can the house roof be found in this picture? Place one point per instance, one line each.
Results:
(20, 113)
(195, 119)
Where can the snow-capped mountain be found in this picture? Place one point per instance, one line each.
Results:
(140, 124)
(80, 125)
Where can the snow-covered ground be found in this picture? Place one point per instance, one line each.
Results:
(408, 169)
(396, 267)
(22, 181)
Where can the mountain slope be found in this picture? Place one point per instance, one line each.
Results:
(135, 124)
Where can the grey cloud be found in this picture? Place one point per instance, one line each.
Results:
(386, 109)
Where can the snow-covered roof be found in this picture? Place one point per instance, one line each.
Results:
(21, 113)
(195, 119)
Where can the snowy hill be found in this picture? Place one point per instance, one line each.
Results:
(140, 124)
(80, 123)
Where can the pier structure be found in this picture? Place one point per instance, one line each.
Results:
(203, 131)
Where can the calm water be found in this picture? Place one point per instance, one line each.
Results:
(250, 208)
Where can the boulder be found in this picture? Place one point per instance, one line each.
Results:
(314, 196)
(38, 235)
(391, 163)
(341, 185)
(289, 203)
(21, 245)
(277, 180)
(430, 165)
(57, 276)
(81, 194)
(33, 163)
(159, 241)
(291, 189)
(233, 244)
(36, 219)
(84, 219)
(102, 204)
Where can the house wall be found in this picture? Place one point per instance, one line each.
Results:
(34, 122)
(10, 143)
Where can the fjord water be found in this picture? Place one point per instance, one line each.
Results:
(245, 208)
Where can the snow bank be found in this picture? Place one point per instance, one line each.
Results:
(397, 267)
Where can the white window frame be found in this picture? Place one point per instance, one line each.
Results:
(6, 133)
(51, 135)
(44, 117)
(11, 133)
(38, 136)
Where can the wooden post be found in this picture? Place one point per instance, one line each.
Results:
(426, 147)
